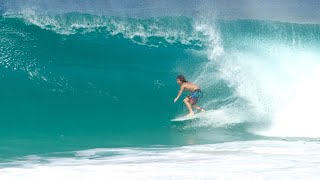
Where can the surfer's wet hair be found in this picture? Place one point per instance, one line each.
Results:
(182, 78)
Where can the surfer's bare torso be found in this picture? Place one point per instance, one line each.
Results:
(188, 86)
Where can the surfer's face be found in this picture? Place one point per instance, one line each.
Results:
(179, 81)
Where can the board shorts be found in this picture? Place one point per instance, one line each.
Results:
(195, 96)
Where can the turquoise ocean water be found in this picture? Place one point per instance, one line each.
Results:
(86, 95)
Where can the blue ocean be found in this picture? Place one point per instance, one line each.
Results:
(87, 89)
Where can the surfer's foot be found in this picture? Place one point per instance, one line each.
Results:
(190, 114)
(202, 110)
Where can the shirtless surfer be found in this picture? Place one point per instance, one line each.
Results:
(192, 99)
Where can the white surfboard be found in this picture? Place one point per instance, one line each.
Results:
(196, 116)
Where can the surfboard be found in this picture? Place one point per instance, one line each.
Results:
(185, 118)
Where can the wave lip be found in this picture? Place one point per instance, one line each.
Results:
(142, 31)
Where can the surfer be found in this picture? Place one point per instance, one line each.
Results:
(192, 99)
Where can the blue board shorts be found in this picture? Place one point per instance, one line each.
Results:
(195, 96)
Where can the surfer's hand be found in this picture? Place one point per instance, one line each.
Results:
(175, 100)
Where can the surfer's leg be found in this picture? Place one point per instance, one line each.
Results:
(187, 103)
(198, 108)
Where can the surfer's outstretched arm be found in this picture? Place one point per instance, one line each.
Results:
(179, 94)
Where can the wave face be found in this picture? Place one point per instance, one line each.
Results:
(75, 80)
